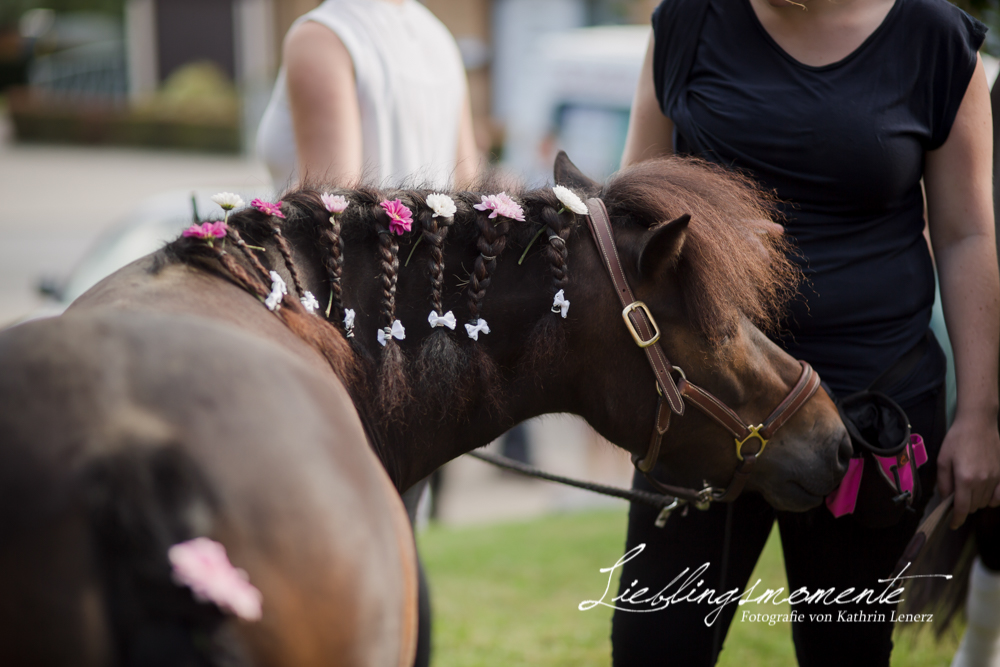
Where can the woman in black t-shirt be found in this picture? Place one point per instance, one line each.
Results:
(842, 108)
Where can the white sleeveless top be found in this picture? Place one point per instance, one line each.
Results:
(410, 84)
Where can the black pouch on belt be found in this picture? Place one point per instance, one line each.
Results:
(882, 477)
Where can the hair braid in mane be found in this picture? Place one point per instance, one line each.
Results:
(547, 343)
(440, 358)
(242, 276)
(333, 260)
(491, 242)
(247, 250)
(559, 227)
(314, 330)
(286, 253)
(393, 385)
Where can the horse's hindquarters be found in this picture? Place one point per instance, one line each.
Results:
(122, 434)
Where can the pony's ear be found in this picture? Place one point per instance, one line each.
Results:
(567, 174)
(662, 247)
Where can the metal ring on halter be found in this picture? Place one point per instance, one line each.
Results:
(680, 372)
(754, 433)
(488, 258)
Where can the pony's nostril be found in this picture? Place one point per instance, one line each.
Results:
(845, 451)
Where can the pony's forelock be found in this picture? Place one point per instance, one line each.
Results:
(732, 263)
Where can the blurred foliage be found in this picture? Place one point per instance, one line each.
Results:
(11, 10)
(197, 92)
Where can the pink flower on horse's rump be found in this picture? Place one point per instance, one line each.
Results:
(201, 564)
(268, 208)
(206, 230)
(400, 217)
(335, 204)
(501, 204)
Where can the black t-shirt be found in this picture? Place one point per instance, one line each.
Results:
(843, 148)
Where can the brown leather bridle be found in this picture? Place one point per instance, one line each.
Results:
(672, 394)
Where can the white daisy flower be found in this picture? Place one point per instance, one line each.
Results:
(442, 205)
(569, 200)
(228, 201)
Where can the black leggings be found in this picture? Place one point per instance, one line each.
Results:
(820, 552)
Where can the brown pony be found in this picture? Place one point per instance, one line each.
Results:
(169, 403)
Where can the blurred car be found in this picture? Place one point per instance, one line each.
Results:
(145, 229)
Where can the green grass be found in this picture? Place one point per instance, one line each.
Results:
(507, 594)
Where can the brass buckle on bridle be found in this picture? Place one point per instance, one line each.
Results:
(754, 433)
(639, 305)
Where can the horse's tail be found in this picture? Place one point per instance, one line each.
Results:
(952, 553)
(141, 500)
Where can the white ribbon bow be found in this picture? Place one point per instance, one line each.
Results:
(446, 320)
(349, 322)
(479, 326)
(560, 304)
(309, 302)
(396, 331)
(278, 289)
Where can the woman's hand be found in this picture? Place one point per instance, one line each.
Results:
(969, 465)
(957, 178)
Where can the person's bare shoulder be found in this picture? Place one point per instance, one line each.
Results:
(311, 48)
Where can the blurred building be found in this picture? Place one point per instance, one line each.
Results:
(198, 73)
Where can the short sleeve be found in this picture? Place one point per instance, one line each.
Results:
(676, 26)
(953, 51)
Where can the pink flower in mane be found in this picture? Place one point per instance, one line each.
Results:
(335, 204)
(268, 208)
(400, 217)
(206, 230)
(501, 204)
(201, 564)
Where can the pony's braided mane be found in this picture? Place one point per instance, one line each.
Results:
(729, 266)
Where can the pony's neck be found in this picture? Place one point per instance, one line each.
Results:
(517, 371)
(420, 444)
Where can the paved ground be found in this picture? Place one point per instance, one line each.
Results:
(54, 203)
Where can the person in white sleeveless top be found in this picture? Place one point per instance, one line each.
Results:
(369, 90)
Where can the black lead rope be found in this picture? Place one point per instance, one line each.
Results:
(657, 500)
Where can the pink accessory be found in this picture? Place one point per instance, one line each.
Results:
(501, 204)
(400, 217)
(206, 230)
(335, 204)
(201, 564)
(845, 498)
(268, 208)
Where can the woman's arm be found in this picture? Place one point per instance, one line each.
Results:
(650, 133)
(958, 183)
(324, 102)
